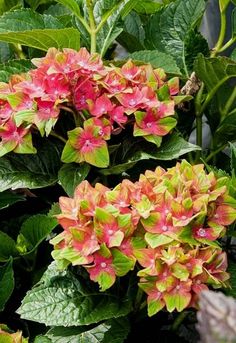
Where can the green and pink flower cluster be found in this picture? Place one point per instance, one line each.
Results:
(166, 225)
(102, 101)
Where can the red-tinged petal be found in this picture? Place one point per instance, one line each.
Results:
(173, 85)
(102, 271)
(224, 215)
(101, 106)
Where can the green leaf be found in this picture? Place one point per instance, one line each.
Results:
(167, 29)
(174, 147)
(214, 71)
(133, 35)
(6, 283)
(7, 5)
(8, 198)
(31, 171)
(72, 5)
(14, 67)
(148, 6)
(122, 263)
(226, 131)
(114, 331)
(65, 300)
(232, 270)
(233, 159)
(7, 247)
(157, 59)
(70, 176)
(34, 4)
(42, 339)
(35, 229)
(109, 12)
(35, 30)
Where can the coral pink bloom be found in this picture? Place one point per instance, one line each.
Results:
(89, 63)
(173, 85)
(102, 271)
(117, 115)
(114, 82)
(133, 100)
(205, 233)
(10, 132)
(179, 297)
(148, 258)
(46, 109)
(130, 71)
(149, 123)
(83, 92)
(5, 111)
(56, 85)
(84, 240)
(101, 106)
(224, 215)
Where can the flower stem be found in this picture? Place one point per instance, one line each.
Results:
(19, 52)
(138, 300)
(92, 24)
(223, 24)
(215, 152)
(178, 321)
(229, 102)
(199, 114)
(54, 134)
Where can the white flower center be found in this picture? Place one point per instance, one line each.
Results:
(202, 232)
(132, 102)
(103, 265)
(164, 228)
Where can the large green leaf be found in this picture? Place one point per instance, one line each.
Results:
(157, 59)
(6, 283)
(226, 131)
(110, 11)
(14, 67)
(31, 171)
(8, 198)
(7, 247)
(148, 6)
(7, 5)
(34, 230)
(64, 300)
(72, 5)
(70, 176)
(115, 331)
(214, 72)
(169, 28)
(34, 4)
(32, 29)
(173, 148)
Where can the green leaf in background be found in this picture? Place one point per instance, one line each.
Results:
(7, 247)
(214, 72)
(7, 5)
(174, 147)
(8, 198)
(226, 131)
(32, 29)
(115, 331)
(148, 6)
(34, 4)
(169, 28)
(72, 5)
(133, 35)
(34, 230)
(157, 59)
(31, 171)
(64, 300)
(70, 176)
(14, 67)
(42, 339)
(6, 283)
(109, 12)
(232, 270)
(233, 159)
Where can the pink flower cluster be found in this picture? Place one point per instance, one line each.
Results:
(168, 222)
(103, 100)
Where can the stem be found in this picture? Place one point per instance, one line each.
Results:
(199, 114)
(138, 300)
(221, 38)
(228, 44)
(92, 24)
(215, 152)
(19, 52)
(54, 134)
(178, 321)
(229, 102)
